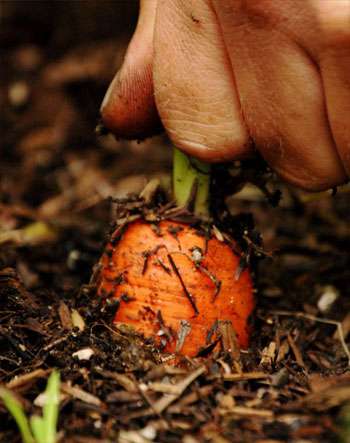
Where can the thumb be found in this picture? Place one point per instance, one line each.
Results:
(128, 109)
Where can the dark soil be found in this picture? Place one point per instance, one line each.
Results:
(56, 178)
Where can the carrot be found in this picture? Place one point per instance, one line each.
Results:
(174, 283)
(175, 275)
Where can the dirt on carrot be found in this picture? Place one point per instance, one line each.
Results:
(174, 283)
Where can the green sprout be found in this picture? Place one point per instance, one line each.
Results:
(191, 176)
(36, 429)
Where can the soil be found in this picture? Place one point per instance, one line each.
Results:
(56, 182)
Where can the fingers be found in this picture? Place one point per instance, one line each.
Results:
(194, 86)
(335, 70)
(282, 100)
(222, 73)
(128, 108)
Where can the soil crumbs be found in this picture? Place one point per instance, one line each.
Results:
(292, 384)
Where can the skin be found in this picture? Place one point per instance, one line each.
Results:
(222, 76)
(155, 287)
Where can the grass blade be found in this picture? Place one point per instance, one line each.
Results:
(51, 407)
(16, 410)
(38, 427)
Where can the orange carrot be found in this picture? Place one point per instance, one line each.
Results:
(173, 284)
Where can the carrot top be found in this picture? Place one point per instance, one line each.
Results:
(191, 182)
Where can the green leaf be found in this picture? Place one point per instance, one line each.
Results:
(51, 407)
(188, 173)
(16, 410)
(38, 427)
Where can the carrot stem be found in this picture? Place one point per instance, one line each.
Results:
(191, 176)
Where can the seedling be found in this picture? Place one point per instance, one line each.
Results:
(37, 429)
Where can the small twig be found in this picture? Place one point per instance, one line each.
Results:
(205, 271)
(123, 380)
(81, 395)
(161, 404)
(54, 343)
(230, 343)
(20, 380)
(245, 376)
(251, 412)
(161, 263)
(186, 291)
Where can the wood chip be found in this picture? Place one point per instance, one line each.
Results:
(268, 355)
(245, 376)
(161, 405)
(160, 370)
(230, 343)
(190, 398)
(80, 394)
(122, 397)
(123, 380)
(296, 352)
(282, 351)
(77, 320)
(165, 388)
(65, 316)
(251, 412)
(184, 330)
(21, 380)
(149, 191)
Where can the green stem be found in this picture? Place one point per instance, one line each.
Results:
(191, 175)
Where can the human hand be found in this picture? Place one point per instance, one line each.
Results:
(222, 74)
